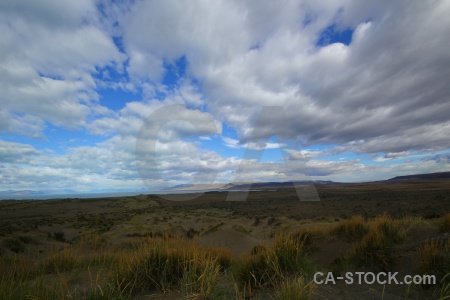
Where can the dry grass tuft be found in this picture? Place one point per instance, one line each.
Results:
(444, 225)
(434, 258)
(353, 229)
(271, 265)
(148, 264)
(296, 289)
(164, 264)
(376, 248)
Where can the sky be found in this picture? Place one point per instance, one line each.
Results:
(100, 95)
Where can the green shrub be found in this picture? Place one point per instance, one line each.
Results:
(14, 245)
(240, 228)
(27, 239)
(59, 236)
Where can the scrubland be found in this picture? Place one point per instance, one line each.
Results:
(269, 247)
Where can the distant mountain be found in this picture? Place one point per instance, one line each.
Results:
(273, 185)
(288, 184)
(195, 187)
(247, 185)
(428, 176)
(236, 185)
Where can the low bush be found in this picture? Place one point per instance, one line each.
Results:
(59, 236)
(200, 276)
(240, 228)
(14, 245)
(444, 224)
(353, 229)
(376, 248)
(27, 239)
(163, 264)
(434, 259)
(287, 257)
(297, 289)
(258, 249)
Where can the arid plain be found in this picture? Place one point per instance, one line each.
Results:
(105, 248)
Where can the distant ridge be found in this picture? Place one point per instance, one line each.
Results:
(239, 185)
(273, 185)
(428, 176)
(289, 184)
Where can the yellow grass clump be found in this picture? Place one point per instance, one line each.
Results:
(376, 248)
(297, 289)
(353, 229)
(444, 225)
(434, 258)
(161, 264)
(271, 265)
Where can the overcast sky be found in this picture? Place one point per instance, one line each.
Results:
(125, 95)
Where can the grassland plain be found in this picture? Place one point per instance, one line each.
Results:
(268, 247)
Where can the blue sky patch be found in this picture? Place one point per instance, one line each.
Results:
(333, 34)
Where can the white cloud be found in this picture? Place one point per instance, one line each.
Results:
(393, 155)
(386, 92)
(302, 154)
(235, 144)
(176, 122)
(16, 152)
(377, 87)
(47, 54)
(51, 13)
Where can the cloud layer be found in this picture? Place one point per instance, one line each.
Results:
(372, 105)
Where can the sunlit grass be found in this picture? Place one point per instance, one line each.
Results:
(376, 248)
(150, 264)
(269, 267)
(160, 264)
(353, 229)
